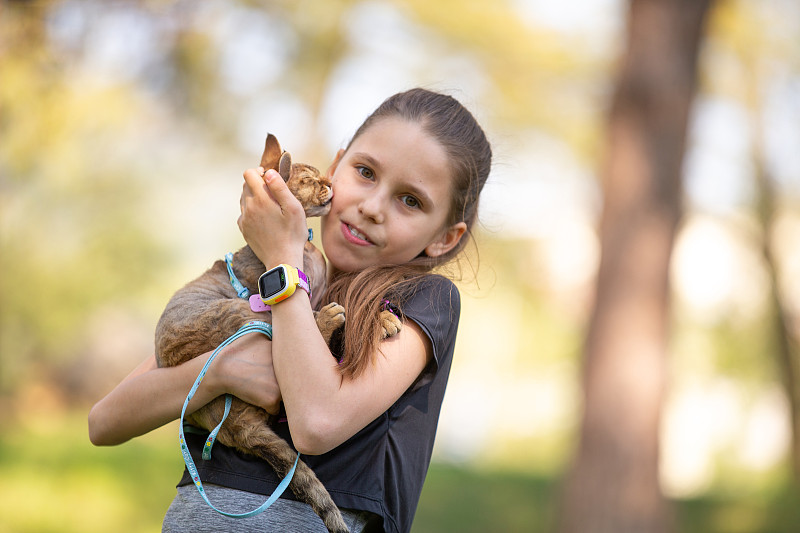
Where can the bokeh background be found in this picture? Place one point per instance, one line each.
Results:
(124, 130)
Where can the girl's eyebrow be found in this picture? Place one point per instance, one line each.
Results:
(375, 165)
(420, 194)
(368, 159)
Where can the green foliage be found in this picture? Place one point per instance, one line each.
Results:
(55, 481)
(83, 158)
(536, 75)
(72, 235)
(466, 500)
(776, 512)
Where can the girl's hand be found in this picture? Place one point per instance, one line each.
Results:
(151, 396)
(245, 370)
(272, 221)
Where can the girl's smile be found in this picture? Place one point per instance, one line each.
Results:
(353, 235)
(391, 198)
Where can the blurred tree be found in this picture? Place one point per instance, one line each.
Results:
(751, 36)
(767, 211)
(100, 100)
(538, 78)
(779, 315)
(613, 485)
(313, 43)
(71, 231)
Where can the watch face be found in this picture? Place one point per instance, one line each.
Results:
(272, 283)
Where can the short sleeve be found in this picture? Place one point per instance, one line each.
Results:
(435, 307)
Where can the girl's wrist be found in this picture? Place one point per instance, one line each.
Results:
(273, 254)
(220, 381)
(292, 259)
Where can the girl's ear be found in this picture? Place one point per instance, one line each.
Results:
(332, 168)
(447, 241)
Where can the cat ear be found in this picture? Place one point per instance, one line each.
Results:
(285, 166)
(272, 153)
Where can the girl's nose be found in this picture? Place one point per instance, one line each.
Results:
(371, 207)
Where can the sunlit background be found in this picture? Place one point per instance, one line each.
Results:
(124, 130)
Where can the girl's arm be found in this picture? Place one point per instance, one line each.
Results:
(323, 408)
(150, 397)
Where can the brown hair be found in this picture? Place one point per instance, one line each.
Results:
(362, 293)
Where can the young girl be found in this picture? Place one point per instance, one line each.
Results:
(405, 196)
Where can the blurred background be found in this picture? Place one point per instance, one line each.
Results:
(124, 130)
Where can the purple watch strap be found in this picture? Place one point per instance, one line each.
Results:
(257, 305)
(304, 283)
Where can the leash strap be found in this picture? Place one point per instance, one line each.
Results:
(250, 327)
(241, 290)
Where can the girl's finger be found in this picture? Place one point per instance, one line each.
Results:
(279, 190)
(253, 181)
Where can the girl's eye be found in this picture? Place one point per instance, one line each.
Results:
(365, 172)
(410, 201)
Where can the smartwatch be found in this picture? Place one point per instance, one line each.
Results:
(277, 284)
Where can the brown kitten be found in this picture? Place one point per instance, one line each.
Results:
(205, 312)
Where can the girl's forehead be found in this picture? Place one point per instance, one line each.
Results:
(394, 125)
(401, 140)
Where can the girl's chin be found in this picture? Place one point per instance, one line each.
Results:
(347, 264)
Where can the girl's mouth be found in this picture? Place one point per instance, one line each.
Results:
(353, 235)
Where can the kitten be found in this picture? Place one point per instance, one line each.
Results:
(205, 312)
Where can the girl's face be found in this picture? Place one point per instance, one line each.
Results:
(391, 197)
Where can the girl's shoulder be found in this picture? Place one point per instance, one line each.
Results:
(436, 308)
(443, 289)
(433, 296)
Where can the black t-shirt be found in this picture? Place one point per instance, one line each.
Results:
(381, 468)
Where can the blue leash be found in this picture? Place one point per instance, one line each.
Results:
(241, 290)
(254, 326)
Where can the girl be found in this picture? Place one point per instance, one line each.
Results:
(405, 196)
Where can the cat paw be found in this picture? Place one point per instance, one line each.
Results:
(329, 319)
(391, 324)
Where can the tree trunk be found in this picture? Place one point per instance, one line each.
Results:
(779, 314)
(613, 485)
